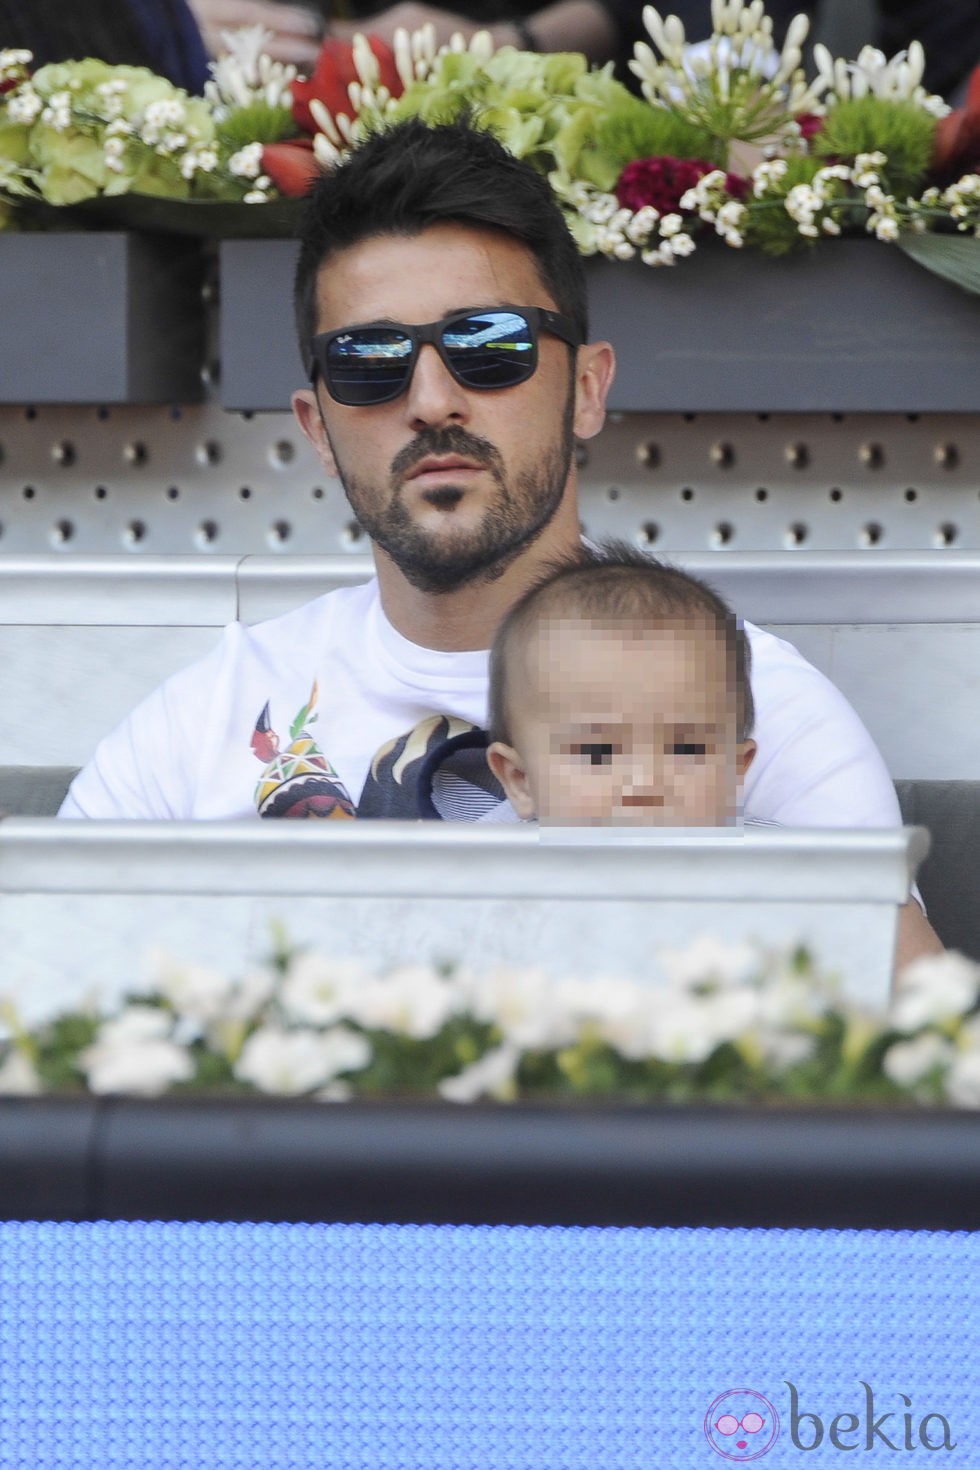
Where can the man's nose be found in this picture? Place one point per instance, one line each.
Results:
(433, 395)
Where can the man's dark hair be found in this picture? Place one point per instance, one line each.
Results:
(613, 582)
(410, 176)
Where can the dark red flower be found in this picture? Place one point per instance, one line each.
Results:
(808, 123)
(292, 166)
(956, 146)
(662, 182)
(333, 74)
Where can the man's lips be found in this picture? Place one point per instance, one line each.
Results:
(436, 469)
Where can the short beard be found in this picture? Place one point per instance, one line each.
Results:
(521, 512)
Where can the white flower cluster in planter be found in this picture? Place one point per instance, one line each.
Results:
(730, 1024)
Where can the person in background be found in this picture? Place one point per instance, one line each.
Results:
(160, 34)
(602, 29)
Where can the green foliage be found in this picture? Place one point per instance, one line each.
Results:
(257, 123)
(634, 130)
(58, 1044)
(903, 131)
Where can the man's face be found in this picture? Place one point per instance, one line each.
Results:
(620, 727)
(451, 483)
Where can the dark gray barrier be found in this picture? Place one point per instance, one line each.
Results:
(265, 1159)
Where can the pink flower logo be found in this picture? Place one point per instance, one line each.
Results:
(741, 1425)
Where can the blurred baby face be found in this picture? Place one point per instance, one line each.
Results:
(620, 727)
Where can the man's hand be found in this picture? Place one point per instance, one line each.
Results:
(295, 31)
(916, 938)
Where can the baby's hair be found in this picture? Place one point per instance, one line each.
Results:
(612, 583)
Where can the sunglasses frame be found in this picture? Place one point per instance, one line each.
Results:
(538, 319)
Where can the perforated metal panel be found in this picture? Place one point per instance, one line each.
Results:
(152, 480)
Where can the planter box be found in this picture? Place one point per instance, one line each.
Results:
(409, 1162)
(100, 317)
(587, 902)
(855, 327)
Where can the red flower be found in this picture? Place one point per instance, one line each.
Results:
(808, 123)
(662, 182)
(956, 146)
(333, 74)
(292, 166)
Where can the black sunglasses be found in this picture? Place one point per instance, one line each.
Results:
(482, 349)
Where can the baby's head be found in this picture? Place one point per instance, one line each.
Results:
(619, 696)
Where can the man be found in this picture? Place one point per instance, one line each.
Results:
(441, 308)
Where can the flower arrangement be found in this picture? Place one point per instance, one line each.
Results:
(729, 137)
(729, 1024)
(80, 130)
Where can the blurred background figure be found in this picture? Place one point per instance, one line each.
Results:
(160, 34)
(607, 29)
(175, 37)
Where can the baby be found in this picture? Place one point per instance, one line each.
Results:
(619, 695)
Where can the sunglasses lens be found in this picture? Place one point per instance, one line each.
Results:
(484, 349)
(369, 365)
(490, 349)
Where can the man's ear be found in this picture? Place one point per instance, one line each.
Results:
(508, 768)
(595, 369)
(745, 757)
(306, 410)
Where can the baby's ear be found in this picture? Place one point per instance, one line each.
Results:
(745, 757)
(507, 766)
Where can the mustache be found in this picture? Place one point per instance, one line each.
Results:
(453, 439)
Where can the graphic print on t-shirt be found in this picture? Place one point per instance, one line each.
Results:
(298, 781)
(391, 788)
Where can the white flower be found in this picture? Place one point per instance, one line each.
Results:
(288, 1063)
(642, 225)
(12, 59)
(246, 74)
(412, 1000)
(57, 114)
(707, 959)
(198, 160)
(492, 1075)
(166, 112)
(886, 228)
(319, 990)
(18, 1077)
(963, 1077)
(730, 215)
(23, 105)
(933, 990)
(525, 1004)
(671, 224)
(908, 1062)
(688, 1028)
(134, 1053)
(683, 245)
(195, 991)
(782, 1050)
(247, 162)
(770, 171)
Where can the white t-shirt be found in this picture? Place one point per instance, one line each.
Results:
(328, 706)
